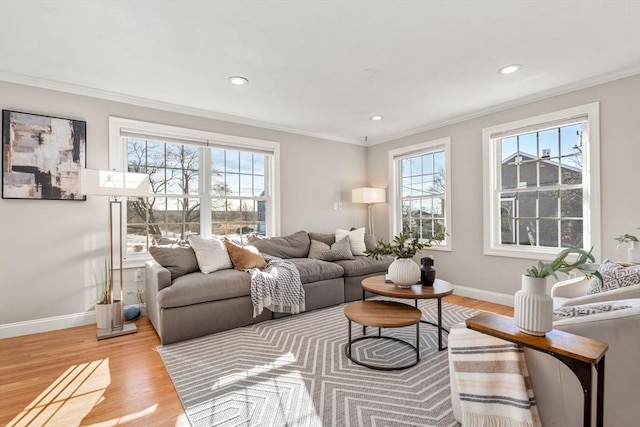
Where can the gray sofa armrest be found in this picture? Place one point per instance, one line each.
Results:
(156, 278)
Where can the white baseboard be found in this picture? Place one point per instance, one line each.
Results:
(481, 294)
(47, 324)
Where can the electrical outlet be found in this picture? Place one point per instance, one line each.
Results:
(138, 275)
(339, 206)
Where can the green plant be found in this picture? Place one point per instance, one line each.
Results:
(583, 263)
(625, 238)
(105, 294)
(403, 246)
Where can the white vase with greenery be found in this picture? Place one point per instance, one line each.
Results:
(533, 308)
(403, 271)
(108, 310)
(633, 253)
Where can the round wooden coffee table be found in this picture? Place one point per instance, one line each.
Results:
(440, 289)
(383, 314)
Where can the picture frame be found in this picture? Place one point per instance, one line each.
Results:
(42, 156)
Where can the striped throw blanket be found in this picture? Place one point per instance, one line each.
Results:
(277, 287)
(493, 381)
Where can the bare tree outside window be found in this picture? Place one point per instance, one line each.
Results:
(423, 194)
(237, 196)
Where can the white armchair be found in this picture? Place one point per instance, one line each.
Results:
(557, 390)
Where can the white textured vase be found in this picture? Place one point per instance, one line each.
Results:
(105, 312)
(533, 308)
(633, 253)
(404, 272)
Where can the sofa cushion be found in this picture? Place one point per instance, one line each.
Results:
(295, 245)
(362, 265)
(178, 258)
(327, 239)
(197, 287)
(244, 257)
(614, 276)
(356, 237)
(313, 270)
(337, 251)
(210, 253)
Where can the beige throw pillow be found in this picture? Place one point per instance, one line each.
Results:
(210, 253)
(339, 250)
(356, 237)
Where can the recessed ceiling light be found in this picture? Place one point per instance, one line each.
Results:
(376, 118)
(508, 69)
(238, 80)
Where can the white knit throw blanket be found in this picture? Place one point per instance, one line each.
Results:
(277, 287)
(493, 381)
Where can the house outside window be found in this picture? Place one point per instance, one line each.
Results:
(541, 184)
(200, 183)
(419, 191)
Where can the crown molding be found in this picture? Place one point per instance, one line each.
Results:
(539, 96)
(42, 83)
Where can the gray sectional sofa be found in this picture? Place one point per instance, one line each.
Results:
(183, 303)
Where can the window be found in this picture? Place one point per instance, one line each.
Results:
(541, 185)
(201, 183)
(419, 194)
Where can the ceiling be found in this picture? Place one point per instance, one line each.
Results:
(321, 68)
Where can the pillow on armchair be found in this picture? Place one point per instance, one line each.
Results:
(615, 276)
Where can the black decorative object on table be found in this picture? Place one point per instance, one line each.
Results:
(427, 272)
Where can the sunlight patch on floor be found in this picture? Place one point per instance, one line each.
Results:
(69, 398)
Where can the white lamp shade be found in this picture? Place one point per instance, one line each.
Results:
(368, 195)
(113, 183)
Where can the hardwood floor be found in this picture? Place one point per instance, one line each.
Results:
(68, 378)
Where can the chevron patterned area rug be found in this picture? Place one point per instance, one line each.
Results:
(293, 372)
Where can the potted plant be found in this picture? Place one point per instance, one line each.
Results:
(403, 271)
(533, 308)
(106, 307)
(633, 253)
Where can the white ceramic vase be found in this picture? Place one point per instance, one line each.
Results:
(533, 308)
(633, 253)
(104, 313)
(404, 273)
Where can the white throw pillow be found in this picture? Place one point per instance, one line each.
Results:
(356, 238)
(210, 253)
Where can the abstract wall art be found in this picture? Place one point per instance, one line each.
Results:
(42, 156)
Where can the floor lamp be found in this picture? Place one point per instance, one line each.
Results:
(368, 196)
(116, 185)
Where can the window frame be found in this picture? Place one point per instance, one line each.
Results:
(395, 157)
(492, 161)
(120, 127)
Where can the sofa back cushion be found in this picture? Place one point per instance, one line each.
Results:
(179, 258)
(326, 238)
(294, 246)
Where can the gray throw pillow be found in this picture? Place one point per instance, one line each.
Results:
(178, 258)
(293, 246)
(339, 250)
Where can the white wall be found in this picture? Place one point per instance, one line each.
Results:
(620, 182)
(51, 250)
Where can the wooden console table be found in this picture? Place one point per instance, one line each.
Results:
(578, 353)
